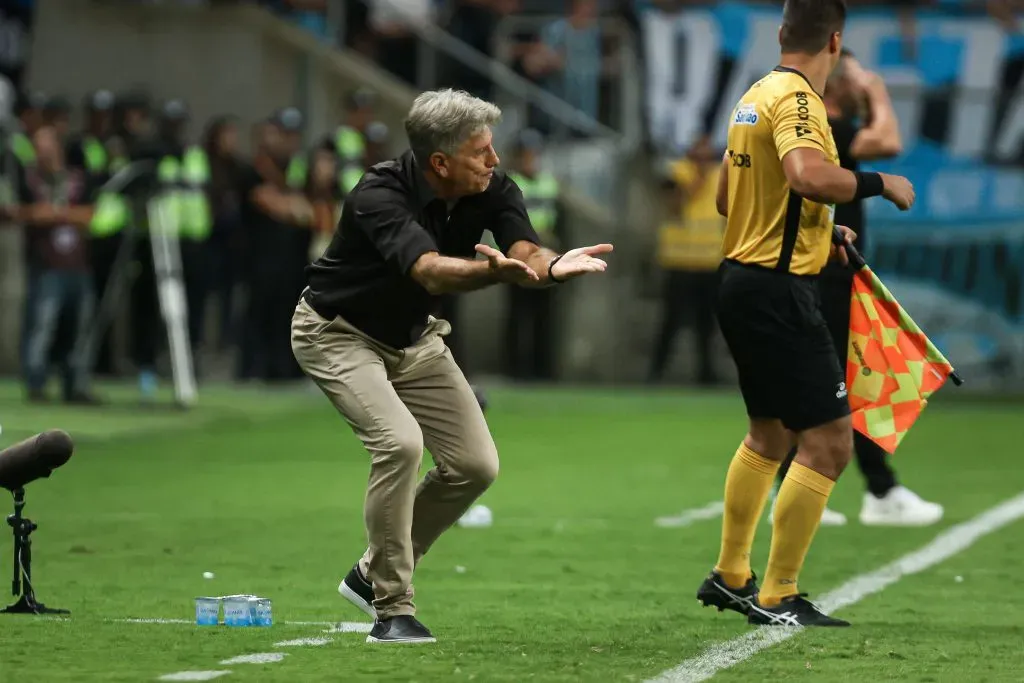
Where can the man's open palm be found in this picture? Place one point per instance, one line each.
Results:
(507, 269)
(580, 261)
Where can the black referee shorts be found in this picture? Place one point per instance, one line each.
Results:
(788, 365)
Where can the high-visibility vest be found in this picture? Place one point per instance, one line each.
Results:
(111, 212)
(183, 182)
(297, 172)
(23, 149)
(351, 149)
(541, 196)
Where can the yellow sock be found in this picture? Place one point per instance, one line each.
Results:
(802, 498)
(746, 489)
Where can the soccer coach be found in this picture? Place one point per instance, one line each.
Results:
(365, 331)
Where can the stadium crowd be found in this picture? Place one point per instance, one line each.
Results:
(275, 208)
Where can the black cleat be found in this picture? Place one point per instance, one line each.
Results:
(400, 629)
(357, 590)
(714, 593)
(795, 610)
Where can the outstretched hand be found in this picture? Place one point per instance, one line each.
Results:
(580, 261)
(507, 269)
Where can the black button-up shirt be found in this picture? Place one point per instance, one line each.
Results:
(390, 219)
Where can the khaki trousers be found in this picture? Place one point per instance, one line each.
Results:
(397, 402)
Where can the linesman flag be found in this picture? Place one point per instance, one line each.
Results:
(892, 368)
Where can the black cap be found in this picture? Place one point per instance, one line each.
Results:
(31, 100)
(360, 98)
(289, 119)
(529, 138)
(174, 111)
(377, 132)
(134, 99)
(100, 100)
(58, 104)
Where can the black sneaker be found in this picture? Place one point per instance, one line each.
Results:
(714, 593)
(400, 629)
(357, 590)
(795, 610)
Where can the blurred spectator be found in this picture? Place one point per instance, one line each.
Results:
(324, 196)
(378, 139)
(55, 209)
(474, 22)
(133, 123)
(221, 143)
(348, 141)
(271, 214)
(568, 60)
(392, 23)
(530, 321)
(309, 14)
(689, 250)
(57, 115)
(100, 155)
(17, 18)
(29, 110)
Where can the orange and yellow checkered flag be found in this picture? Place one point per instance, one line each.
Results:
(892, 368)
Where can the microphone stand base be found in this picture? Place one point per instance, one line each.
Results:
(28, 605)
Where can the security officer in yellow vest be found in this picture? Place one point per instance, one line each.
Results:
(30, 117)
(530, 331)
(182, 175)
(99, 155)
(348, 141)
(690, 251)
(184, 171)
(29, 112)
(57, 115)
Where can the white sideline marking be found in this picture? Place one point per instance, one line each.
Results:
(255, 658)
(688, 517)
(301, 642)
(333, 626)
(193, 676)
(350, 627)
(155, 621)
(944, 546)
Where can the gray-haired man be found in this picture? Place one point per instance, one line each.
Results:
(365, 331)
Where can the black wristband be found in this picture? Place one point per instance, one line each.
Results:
(551, 265)
(868, 185)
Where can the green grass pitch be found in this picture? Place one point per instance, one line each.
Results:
(573, 582)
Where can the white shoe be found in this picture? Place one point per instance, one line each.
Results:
(829, 517)
(899, 507)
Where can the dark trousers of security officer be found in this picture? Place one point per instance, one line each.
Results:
(103, 252)
(146, 319)
(196, 263)
(529, 332)
(688, 296)
(276, 280)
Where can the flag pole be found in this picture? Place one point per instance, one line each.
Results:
(858, 263)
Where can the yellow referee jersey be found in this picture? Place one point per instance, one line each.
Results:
(769, 225)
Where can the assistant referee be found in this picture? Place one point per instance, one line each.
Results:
(862, 136)
(780, 182)
(365, 330)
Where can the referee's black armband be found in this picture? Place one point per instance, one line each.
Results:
(868, 185)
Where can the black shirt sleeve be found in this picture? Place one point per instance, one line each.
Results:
(383, 215)
(512, 222)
